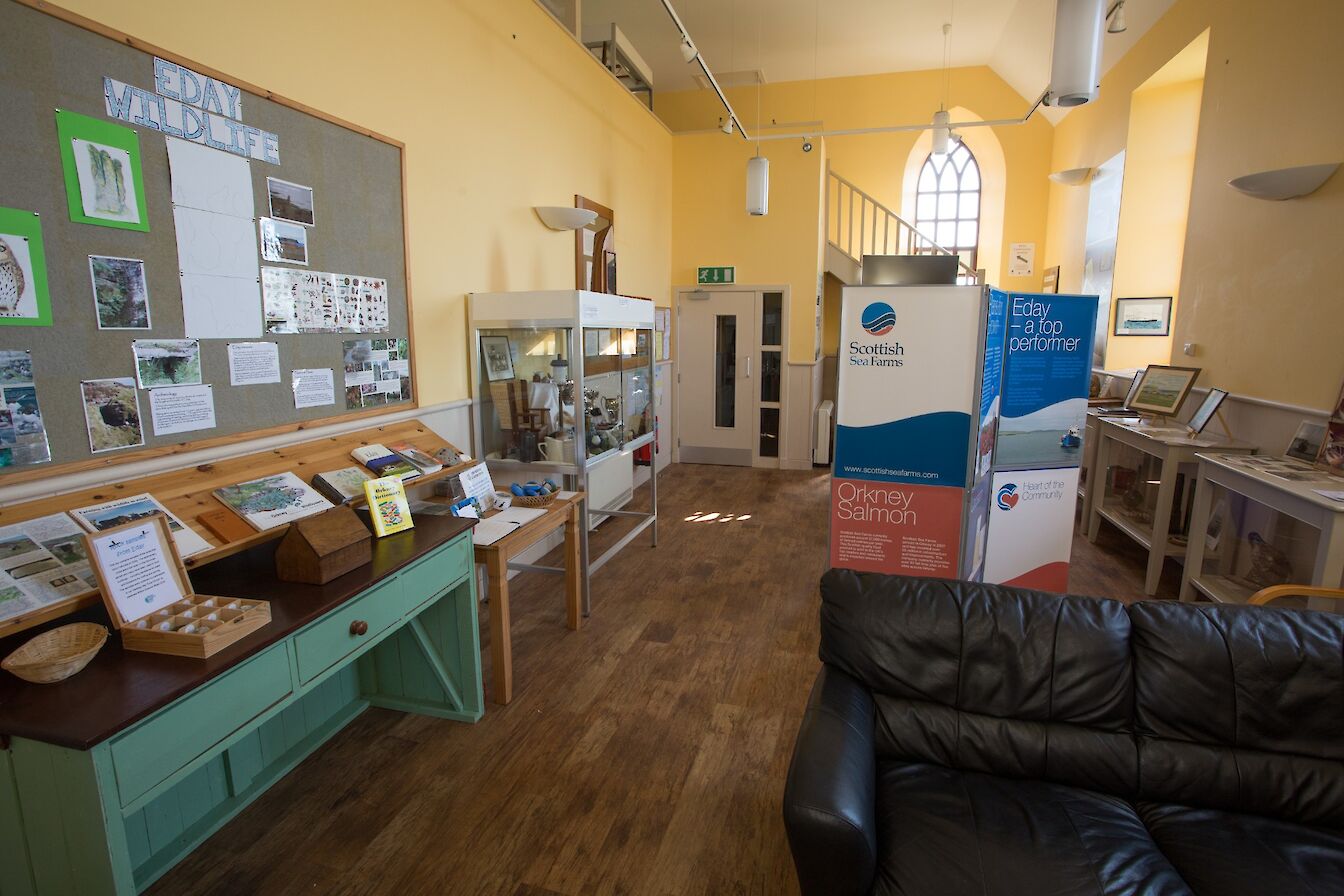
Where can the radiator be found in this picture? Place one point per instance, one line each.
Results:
(821, 446)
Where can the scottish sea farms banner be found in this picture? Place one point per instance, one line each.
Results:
(906, 390)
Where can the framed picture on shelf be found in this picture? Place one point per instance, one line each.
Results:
(1204, 413)
(1306, 443)
(1163, 389)
(497, 358)
(1143, 317)
(1331, 456)
(1050, 282)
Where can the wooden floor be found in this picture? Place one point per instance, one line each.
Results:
(644, 754)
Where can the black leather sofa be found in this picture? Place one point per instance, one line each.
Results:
(978, 739)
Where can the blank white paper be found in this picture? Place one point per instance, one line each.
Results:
(210, 180)
(221, 307)
(215, 244)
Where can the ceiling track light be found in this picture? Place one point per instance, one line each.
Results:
(688, 50)
(1116, 18)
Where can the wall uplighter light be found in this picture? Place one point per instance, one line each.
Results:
(1071, 177)
(562, 217)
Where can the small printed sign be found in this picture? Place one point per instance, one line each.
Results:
(717, 275)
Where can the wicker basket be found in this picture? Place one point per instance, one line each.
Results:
(534, 500)
(56, 655)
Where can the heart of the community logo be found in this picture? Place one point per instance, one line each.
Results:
(1008, 497)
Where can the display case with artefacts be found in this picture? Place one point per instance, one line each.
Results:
(563, 382)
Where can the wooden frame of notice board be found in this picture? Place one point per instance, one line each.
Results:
(156, 447)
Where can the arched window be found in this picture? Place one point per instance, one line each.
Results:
(947, 204)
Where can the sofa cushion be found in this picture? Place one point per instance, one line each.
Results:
(950, 832)
(988, 678)
(1241, 708)
(1231, 854)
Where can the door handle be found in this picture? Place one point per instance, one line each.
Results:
(748, 366)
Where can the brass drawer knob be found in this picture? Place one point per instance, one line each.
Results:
(359, 627)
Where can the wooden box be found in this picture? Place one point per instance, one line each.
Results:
(319, 548)
(181, 622)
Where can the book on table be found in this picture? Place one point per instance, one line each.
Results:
(272, 500)
(388, 508)
(422, 461)
(342, 486)
(383, 461)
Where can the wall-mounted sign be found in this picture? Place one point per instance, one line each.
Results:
(717, 275)
(1021, 259)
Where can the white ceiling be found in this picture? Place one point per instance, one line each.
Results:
(797, 40)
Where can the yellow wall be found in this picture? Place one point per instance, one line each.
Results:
(1154, 207)
(876, 163)
(1260, 286)
(500, 111)
(710, 224)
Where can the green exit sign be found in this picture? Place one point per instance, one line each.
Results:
(717, 275)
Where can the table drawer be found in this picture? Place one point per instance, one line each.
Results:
(189, 728)
(326, 643)
(432, 575)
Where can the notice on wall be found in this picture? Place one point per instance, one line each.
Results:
(253, 363)
(1031, 528)
(182, 409)
(895, 528)
(313, 387)
(1021, 259)
(1046, 370)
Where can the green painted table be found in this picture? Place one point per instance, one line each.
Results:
(111, 777)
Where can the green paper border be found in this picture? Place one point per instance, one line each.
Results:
(71, 126)
(28, 224)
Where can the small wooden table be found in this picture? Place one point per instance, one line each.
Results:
(498, 560)
(1173, 447)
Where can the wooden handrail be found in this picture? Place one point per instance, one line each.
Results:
(1265, 595)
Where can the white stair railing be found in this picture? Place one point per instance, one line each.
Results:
(859, 225)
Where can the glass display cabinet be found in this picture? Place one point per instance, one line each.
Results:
(564, 386)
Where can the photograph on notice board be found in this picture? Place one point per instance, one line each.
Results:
(112, 414)
(167, 362)
(24, 301)
(377, 371)
(290, 202)
(120, 293)
(23, 434)
(283, 241)
(101, 163)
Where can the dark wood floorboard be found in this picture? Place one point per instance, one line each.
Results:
(644, 754)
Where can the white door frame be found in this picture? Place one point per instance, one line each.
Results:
(784, 289)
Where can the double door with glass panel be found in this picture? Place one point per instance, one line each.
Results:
(731, 361)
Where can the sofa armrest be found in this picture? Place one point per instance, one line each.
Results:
(830, 796)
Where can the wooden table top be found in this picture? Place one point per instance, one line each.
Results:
(524, 536)
(120, 687)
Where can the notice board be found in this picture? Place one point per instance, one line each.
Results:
(158, 134)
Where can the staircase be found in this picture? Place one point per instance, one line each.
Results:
(859, 225)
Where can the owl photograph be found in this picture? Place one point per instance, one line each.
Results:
(14, 279)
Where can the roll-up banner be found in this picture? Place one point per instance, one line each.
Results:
(1047, 366)
(907, 372)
